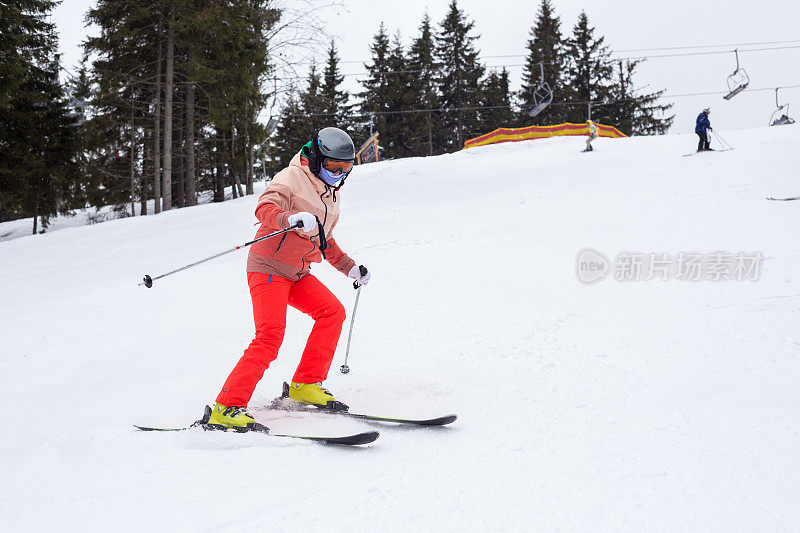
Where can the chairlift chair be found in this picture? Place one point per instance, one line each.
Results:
(784, 117)
(76, 108)
(738, 80)
(272, 123)
(542, 95)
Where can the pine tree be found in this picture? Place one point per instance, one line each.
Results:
(496, 99)
(334, 101)
(23, 40)
(38, 142)
(633, 113)
(589, 73)
(292, 133)
(399, 123)
(424, 137)
(545, 46)
(313, 104)
(459, 81)
(219, 56)
(375, 99)
(122, 90)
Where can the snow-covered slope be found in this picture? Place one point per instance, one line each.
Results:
(660, 405)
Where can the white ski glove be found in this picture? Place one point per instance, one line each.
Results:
(360, 274)
(309, 221)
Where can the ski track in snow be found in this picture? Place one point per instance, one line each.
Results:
(650, 405)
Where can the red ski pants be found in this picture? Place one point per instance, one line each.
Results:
(270, 296)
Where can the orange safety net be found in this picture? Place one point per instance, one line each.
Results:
(503, 135)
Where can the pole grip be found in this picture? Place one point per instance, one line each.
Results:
(363, 270)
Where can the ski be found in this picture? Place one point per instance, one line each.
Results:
(784, 199)
(706, 151)
(347, 440)
(439, 421)
(284, 403)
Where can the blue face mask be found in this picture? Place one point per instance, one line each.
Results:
(330, 178)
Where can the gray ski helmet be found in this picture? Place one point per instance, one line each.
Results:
(332, 143)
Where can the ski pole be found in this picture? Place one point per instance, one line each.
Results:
(148, 281)
(724, 143)
(344, 368)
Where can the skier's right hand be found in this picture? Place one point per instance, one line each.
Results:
(710, 128)
(308, 220)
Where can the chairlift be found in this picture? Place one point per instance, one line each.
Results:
(542, 95)
(781, 115)
(738, 80)
(76, 108)
(272, 123)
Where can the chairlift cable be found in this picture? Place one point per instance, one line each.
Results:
(583, 102)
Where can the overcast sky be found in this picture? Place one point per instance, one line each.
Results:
(503, 27)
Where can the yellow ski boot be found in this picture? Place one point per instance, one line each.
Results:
(236, 418)
(312, 394)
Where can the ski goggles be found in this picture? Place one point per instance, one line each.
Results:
(337, 167)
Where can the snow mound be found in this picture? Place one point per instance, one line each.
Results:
(618, 405)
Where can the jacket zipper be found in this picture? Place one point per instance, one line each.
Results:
(278, 249)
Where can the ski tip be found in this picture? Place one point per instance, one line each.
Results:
(360, 438)
(349, 440)
(145, 428)
(441, 421)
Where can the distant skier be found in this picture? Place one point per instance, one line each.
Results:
(701, 128)
(278, 274)
(592, 135)
(783, 119)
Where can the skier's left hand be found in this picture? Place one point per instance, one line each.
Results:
(360, 274)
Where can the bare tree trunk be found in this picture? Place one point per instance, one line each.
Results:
(219, 191)
(189, 180)
(157, 128)
(231, 165)
(145, 172)
(36, 213)
(247, 154)
(430, 136)
(133, 164)
(168, 94)
(236, 183)
(179, 157)
(179, 167)
(251, 164)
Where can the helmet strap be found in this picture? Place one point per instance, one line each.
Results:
(316, 164)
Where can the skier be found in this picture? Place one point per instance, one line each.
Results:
(783, 119)
(278, 274)
(592, 135)
(702, 128)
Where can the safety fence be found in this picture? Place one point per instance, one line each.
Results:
(503, 135)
